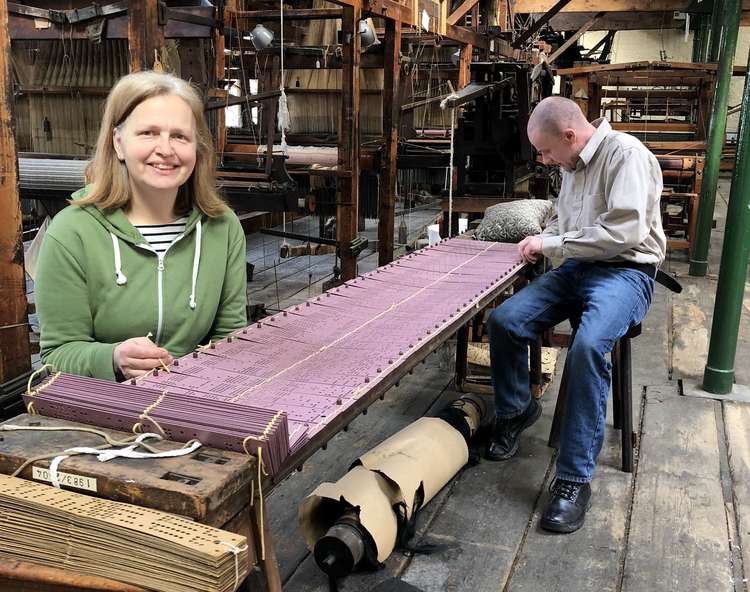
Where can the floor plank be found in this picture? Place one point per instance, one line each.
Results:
(736, 422)
(485, 519)
(678, 536)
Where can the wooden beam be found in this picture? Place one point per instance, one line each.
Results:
(615, 21)
(391, 113)
(464, 66)
(145, 35)
(467, 36)
(244, 19)
(15, 355)
(601, 42)
(543, 20)
(653, 126)
(637, 67)
(530, 6)
(461, 11)
(347, 187)
(573, 38)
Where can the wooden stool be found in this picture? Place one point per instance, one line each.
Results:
(622, 397)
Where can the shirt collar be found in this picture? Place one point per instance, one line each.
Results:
(602, 129)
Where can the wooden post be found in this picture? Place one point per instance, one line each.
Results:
(391, 109)
(464, 65)
(502, 15)
(15, 356)
(580, 92)
(145, 35)
(347, 185)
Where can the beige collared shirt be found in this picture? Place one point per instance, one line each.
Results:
(608, 208)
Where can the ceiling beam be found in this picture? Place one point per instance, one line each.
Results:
(461, 11)
(622, 21)
(573, 38)
(539, 23)
(528, 6)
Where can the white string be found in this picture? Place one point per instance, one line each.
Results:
(283, 111)
(236, 552)
(450, 174)
(126, 452)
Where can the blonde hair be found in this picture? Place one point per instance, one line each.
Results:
(107, 176)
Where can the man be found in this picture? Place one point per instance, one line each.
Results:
(607, 229)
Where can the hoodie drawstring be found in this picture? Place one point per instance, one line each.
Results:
(196, 262)
(121, 279)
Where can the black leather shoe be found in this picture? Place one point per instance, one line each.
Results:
(566, 507)
(504, 442)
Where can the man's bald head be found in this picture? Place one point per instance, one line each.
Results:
(559, 131)
(553, 115)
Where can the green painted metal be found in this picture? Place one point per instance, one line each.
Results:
(719, 373)
(715, 36)
(716, 137)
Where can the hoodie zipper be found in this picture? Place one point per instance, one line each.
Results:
(160, 282)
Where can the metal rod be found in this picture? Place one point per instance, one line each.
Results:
(303, 237)
(717, 133)
(718, 376)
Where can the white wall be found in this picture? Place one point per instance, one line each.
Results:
(635, 46)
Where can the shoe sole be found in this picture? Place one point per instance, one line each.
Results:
(564, 528)
(527, 424)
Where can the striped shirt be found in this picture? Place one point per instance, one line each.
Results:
(161, 236)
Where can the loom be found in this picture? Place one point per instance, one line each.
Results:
(359, 519)
(283, 382)
(260, 184)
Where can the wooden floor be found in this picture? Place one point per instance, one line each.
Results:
(681, 521)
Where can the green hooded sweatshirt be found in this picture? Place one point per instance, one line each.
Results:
(99, 283)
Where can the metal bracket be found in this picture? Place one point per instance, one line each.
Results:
(161, 14)
(83, 14)
(358, 245)
(95, 31)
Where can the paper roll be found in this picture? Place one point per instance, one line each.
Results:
(362, 488)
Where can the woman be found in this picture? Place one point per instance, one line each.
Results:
(148, 262)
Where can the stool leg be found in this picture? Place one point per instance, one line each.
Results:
(562, 400)
(462, 349)
(617, 386)
(535, 367)
(626, 406)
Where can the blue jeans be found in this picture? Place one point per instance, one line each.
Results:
(608, 301)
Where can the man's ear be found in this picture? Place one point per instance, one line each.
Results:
(569, 136)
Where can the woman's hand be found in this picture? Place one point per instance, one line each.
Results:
(134, 357)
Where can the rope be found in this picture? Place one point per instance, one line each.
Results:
(450, 173)
(145, 416)
(283, 109)
(236, 551)
(30, 407)
(110, 441)
(261, 472)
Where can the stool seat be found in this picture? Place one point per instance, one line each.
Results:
(622, 396)
(634, 331)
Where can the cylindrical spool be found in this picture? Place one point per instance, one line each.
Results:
(342, 548)
(474, 408)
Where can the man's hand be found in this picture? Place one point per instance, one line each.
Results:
(530, 248)
(134, 357)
